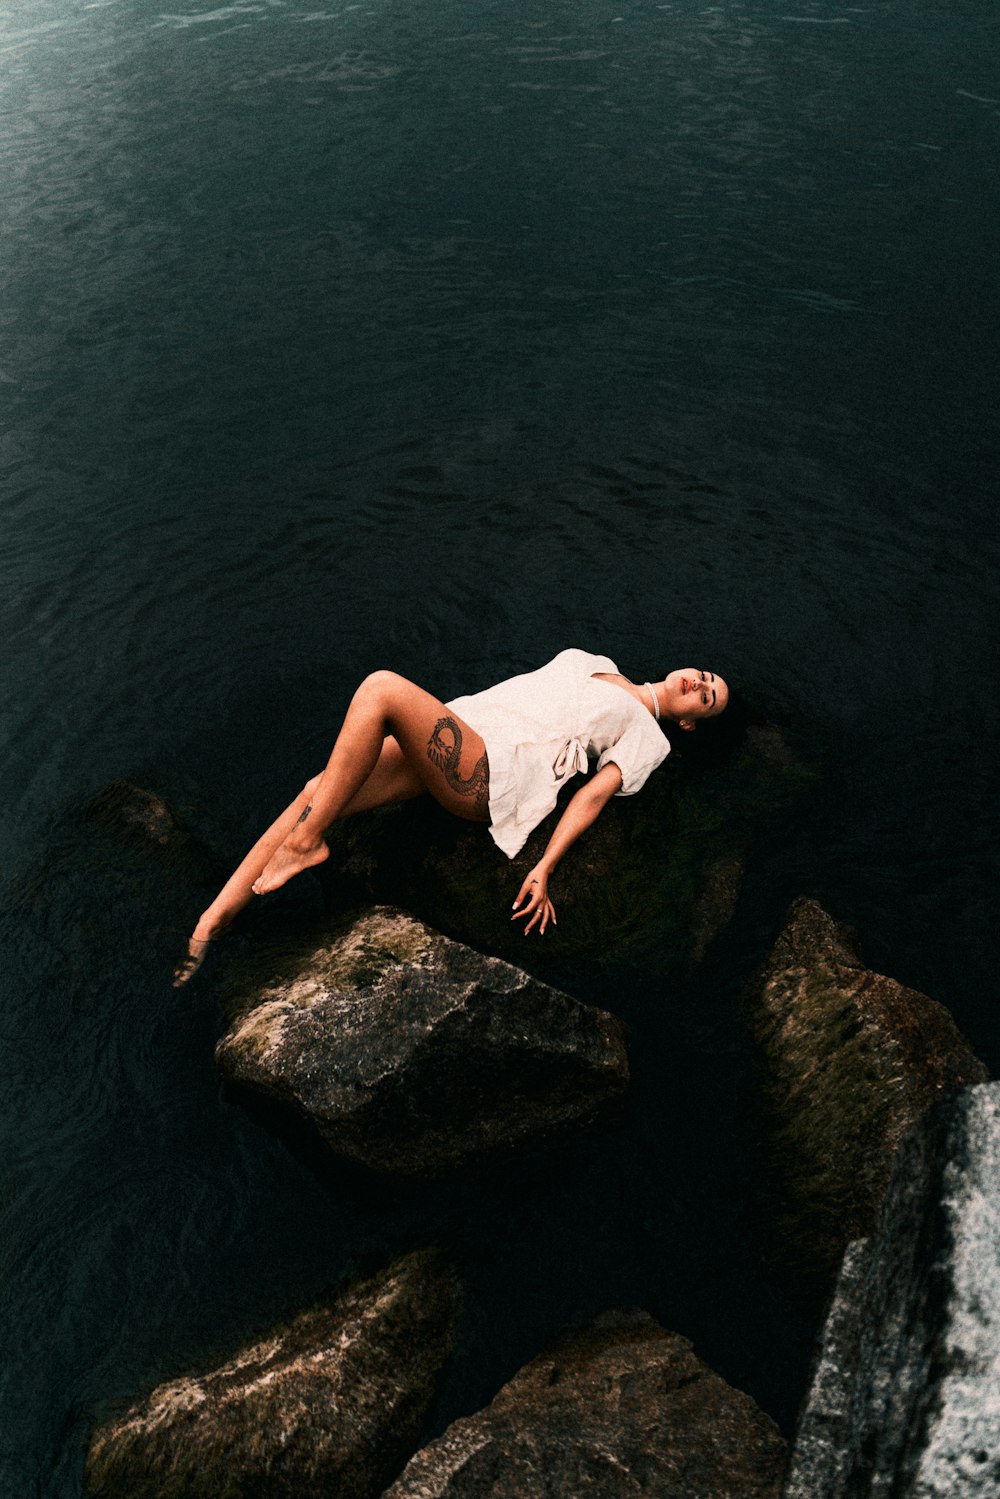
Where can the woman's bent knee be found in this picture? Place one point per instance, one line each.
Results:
(380, 685)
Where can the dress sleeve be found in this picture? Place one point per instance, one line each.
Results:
(637, 752)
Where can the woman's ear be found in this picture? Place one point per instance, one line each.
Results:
(687, 724)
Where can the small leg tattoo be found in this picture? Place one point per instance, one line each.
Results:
(444, 749)
(288, 860)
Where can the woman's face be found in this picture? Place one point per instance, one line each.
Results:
(692, 693)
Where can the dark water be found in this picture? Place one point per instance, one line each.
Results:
(442, 337)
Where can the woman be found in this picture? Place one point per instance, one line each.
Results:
(499, 757)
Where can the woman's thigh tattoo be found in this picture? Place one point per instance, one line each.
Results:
(444, 749)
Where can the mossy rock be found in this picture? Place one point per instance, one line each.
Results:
(411, 1053)
(330, 1403)
(616, 1410)
(852, 1058)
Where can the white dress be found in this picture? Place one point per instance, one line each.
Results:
(542, 727)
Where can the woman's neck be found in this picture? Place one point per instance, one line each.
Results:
(642, 694)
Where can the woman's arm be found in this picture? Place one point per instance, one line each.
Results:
(581, 811)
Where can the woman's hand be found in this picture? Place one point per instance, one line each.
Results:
(534, 902)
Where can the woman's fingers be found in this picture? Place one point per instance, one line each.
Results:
(531, 891)
(543, 911)
(533, 902)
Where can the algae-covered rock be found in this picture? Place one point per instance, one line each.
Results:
(852, 1059)
(649, 885)
(332, 1403)
(622, 1408)
(411, 1053)
(905, 1394)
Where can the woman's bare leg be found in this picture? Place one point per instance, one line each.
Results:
(237, 892)
(391, 781)
(447, 757)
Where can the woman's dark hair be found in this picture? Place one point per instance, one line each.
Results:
(716, 740)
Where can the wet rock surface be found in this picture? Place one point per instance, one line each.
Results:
(411, 1053)
(622, 1408)
(649, 886)
(330, 1403)
(905, 1396)
(852, 1059)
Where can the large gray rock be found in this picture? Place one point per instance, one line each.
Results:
(821, 1455)
(905, 1395)
(623, 1408)
(852, 1059)
(650, 885)
(412, 1053)
(332, 1403)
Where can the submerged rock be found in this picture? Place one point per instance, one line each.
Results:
(411, 1053)
(905, 1394)
(118, 873)
(329, 1404)
(134, 816)
(853, 1058)
(622, 1408)
(128, 807)
(649, 886)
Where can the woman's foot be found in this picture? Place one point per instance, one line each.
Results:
(194, 957)
(192, 960)
(286, 862)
